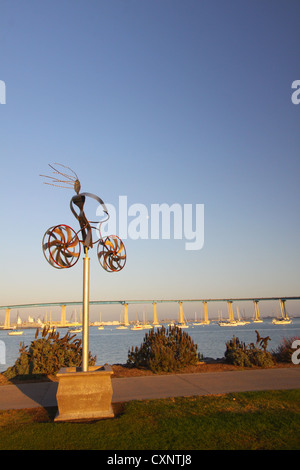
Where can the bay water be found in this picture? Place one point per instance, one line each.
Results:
(111, 345)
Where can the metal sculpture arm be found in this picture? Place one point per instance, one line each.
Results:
(86, 229)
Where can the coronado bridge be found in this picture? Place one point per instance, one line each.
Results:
(205, 301)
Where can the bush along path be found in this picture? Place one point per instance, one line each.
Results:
(166, 349)
(248, 355)
(47, 354)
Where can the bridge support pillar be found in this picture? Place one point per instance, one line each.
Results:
(205, 313)
(230, 310)
(63, 316)
(181, 319)
(155, 320)
(126, 322)
(7, 318)
(256, 312)
(283, 309)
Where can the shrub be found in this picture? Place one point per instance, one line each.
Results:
(236, 353)
(261, 358)
(283, 353)
(164, 350)
(241, 354)
(46, 355)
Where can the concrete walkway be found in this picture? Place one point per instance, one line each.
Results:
(43, 394)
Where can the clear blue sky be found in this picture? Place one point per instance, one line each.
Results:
(169, 101)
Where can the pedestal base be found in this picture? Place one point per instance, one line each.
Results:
(84, 395)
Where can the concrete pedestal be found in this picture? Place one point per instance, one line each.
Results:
(84, 395)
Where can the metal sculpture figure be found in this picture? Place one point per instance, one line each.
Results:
(62, 245)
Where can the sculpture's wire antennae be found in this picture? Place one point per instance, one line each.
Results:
(71, 179)
(57, 185)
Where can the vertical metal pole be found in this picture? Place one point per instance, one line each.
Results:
(85, 321)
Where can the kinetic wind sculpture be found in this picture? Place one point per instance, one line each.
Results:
(62, 245)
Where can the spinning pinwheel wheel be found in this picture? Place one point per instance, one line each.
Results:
(62, 245)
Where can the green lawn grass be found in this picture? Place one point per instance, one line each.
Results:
(252, 420)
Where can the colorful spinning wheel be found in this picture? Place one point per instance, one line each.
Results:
(61, 246)
(45, 247)
(112, 253)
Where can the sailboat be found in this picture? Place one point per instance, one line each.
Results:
(121, 326)
(284, 319)
(227, 323)
(201, 322)
(196, 322)
(281, 321)
(100, 327)
(222, 322)
(137, 325)
(240, 322)
(146, 325)
(230, 322)
(15, 333)
(181, 323)
(76, 330)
